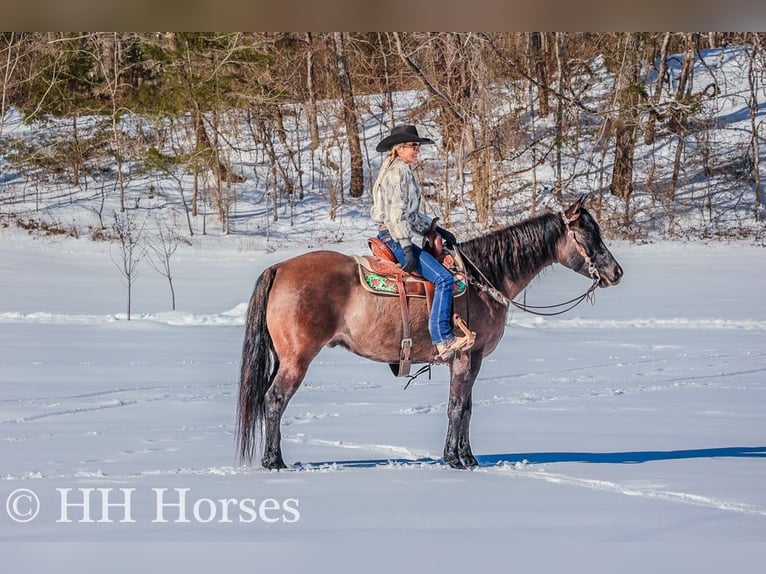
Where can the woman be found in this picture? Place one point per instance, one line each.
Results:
(396, 209)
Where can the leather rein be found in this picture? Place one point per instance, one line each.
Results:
(542, 310)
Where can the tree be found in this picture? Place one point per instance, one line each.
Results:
(64, 85)
(162, 249)
(680, 113)
(558, 49)
(630, 93)
(311, 99)
(654, 111)
(540, 70)
(356, 185)
(456, 77)
(753, 76)
(131, 250)
(107, 50)
(10, 58)
(202, 76)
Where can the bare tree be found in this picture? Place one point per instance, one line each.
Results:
(107, 50)
(679, 118)
(161, 251)
(654, 112)
(9, 61)
(131, 250)
(388, 86)
(537, 54)
(453, 78)
(311, 100)
(626, 123)
(356, 186)
(753, 75)
(531, 101)
(558, 48)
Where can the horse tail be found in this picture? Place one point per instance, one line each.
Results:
(259, 367)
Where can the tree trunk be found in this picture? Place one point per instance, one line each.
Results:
(679, 119)
(311, 103)
(531, 101)
(559, 51)
(753, 75)
(685, 76)
(356, 187)
(452, 119)
(210, 153)
(626, 123)
(679, 154)
(387, 85)
(75, 156)
(653, 111)
(537, 53)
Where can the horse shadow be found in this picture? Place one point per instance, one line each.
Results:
(489, 460)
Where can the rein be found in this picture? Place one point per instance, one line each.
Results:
(486, 286)
(572, 303)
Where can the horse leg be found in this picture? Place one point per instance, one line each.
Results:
(457, 447)
(464, 443)
(286, 382)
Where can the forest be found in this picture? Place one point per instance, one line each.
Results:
(663, 130)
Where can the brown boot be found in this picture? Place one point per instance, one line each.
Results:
(447, 349)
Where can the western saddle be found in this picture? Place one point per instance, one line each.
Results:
(381, 274)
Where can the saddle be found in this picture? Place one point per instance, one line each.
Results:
(381, 274)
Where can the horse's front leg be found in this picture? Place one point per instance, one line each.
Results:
(463, 443)
(457, 448)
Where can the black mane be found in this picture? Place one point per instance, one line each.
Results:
(516, 251)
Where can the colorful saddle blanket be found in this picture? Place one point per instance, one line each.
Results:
(380, 276)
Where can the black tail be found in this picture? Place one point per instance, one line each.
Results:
(259, 366)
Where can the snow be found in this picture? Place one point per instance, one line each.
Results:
(622, 436)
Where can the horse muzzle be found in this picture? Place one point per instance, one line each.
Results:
(610, 277)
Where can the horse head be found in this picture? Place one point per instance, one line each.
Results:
(583, 250)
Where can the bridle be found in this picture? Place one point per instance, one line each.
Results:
(486, 286)
(592, 271)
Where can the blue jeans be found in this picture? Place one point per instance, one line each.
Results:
(439, 324)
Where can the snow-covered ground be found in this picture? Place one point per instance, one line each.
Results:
(627, 436)
(622, 436)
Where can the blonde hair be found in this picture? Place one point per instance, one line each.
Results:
(390, 157)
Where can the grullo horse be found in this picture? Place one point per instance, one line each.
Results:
(315, 300)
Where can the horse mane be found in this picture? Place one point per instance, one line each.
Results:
(516, 251)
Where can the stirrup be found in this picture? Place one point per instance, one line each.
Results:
(446, 350)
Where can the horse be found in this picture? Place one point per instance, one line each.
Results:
(313, 300)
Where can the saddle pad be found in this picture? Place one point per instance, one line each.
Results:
(386, 284)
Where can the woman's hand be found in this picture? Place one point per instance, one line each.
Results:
(410, 261)
(449, 238)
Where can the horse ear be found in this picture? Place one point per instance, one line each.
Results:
(573, 211)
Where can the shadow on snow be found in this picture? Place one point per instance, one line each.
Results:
(488, 460)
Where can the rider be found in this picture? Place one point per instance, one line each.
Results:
(396, 208)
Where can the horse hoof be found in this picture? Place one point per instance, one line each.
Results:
(273, 464)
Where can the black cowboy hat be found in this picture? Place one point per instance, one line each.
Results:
(401, 134)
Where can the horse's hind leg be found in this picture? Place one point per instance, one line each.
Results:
(287, 380)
